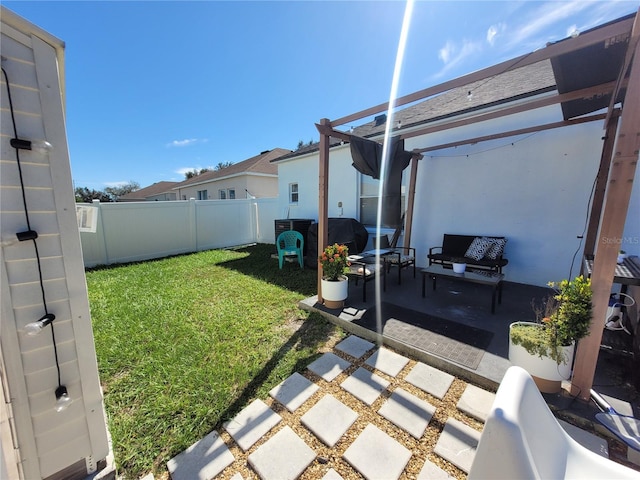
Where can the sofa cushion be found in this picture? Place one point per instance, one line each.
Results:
(478, 248)
(496, 249)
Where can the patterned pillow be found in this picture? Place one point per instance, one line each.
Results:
(496, 249)
(478, 248)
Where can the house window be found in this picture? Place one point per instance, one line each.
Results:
(232, 194)
(369, 199)
(202, 195)
(222, 194)
(293, 193)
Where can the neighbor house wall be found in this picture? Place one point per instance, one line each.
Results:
(534, 189)
(44, 442)
(258, 185)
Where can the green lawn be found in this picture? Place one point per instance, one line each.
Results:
(183, 343)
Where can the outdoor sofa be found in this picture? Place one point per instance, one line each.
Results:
(478, 252)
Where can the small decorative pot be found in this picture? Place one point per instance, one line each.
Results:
(459, 267)
(334, 293)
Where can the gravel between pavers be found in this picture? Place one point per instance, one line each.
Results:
(327, 458)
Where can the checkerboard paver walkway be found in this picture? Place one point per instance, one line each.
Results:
(403, 393)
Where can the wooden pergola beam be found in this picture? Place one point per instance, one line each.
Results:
(512, 133)
(566, 46)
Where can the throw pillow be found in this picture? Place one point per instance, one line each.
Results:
(478, 248)
(496, 249)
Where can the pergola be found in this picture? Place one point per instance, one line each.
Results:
(600, 82)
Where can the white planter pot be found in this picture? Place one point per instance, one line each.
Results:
(335, 293)
(543, 368)
(459, 267)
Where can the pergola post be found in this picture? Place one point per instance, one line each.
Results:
(323, 197)
(617, 195)
(600, 187)
(411, 200)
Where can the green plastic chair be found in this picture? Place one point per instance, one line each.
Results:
(290, 243)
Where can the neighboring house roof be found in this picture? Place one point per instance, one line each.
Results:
(155, 189)
(258, 165)
(507, 87)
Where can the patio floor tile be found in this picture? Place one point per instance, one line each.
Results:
(407, 412)
(294, 391)
(364, 385)
(203, 460)
(283, 457)
(329, 366)
(252, 423)
(457, 444)
(429, 379)
(430, 471)
(476, 402)
(329, 419)
(354, 346)
(376, 455)
(387, 361)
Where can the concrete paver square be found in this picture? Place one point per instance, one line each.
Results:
(252, 423)
(376, 455)
(294, 391)
(457, 444)
(364, 385)
(283, 457)
(476, 402)
(430, 471)
(429, 379)
(332, 475)
(329, 419)
(408, 412)
(354, 346)
(387, 361)
(203, 460)
(329, 366)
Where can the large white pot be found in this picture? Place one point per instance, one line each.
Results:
(547, 374)
(334, 293)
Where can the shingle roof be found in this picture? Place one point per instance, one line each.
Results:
(259, 164)
(155, 189)
(509, 86)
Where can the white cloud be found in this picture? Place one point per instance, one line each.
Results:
(493, 32)
(535, 29)
(453, 55)
(116, 184)
(186, 142)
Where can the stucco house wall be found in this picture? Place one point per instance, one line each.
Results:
(534, 189)
(257, 185)
(42, 274)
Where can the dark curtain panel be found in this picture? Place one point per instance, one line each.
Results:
(367, 159)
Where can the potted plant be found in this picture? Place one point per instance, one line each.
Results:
(621, 256)
(334, 284)
(545, 348)
(459, 264)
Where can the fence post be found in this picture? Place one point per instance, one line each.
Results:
(101, 232)
(193, 224)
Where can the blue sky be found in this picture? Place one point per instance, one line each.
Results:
(155, 88)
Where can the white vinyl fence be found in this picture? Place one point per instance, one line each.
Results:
(128, 232)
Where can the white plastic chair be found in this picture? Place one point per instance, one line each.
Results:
(523, 440)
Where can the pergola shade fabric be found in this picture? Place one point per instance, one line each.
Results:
(367, 159)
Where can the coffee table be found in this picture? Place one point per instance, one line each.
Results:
(492, 279)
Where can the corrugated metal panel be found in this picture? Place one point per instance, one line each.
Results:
(49, 442)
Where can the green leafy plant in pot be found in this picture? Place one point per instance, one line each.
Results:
(562, 319)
